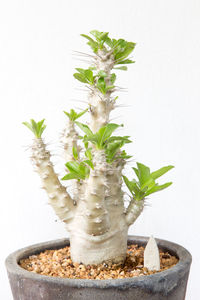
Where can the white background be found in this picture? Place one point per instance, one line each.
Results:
(37, 39)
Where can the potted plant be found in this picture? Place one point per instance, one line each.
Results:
(95, 216)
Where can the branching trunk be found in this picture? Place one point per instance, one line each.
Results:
(59, 199)
(101, 105)
(69, 140)
(133, 211)
(96, 217)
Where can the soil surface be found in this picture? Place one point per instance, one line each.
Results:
(57, 263)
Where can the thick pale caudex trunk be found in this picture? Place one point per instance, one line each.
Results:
(109, 247)
(96, 217)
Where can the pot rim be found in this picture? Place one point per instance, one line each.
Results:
(180, 268)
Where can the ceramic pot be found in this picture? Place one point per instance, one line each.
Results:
(170, 284)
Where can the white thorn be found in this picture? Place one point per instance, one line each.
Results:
(98, 220)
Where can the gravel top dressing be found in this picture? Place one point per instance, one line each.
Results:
(57, 263)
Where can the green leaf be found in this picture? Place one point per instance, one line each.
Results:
(157, 188)
(136, 172)
(112, 149)
(113, 78)
(88, 153)
(93, 44)
(133, 188)
(77, 170)
(70, 176)
(124, 53)
(144, 173)
(126, 61)
(123, 155)
(102, 74)
(80, 70)
(75, 152)
(161, 171)
(89, 163)
(80, 77)
(89, 76)
(123, 68)
(85, 128)
(81, 113)
(106, 131)
(109, 42)
(125, 139)
(96, 34)
(73, 166)
(101, 85)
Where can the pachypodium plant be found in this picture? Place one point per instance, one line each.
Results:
(96, 215)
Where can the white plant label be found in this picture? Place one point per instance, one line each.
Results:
(151, 255)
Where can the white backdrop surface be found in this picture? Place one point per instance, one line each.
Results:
(160, 111)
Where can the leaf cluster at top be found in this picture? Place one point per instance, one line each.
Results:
(120, 48)
(146, 183)
(78, 170)
(73, 116)
(36, 127)
(97, 80)
(102, 139)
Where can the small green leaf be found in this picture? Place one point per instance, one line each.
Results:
(125, 139)
(85, 128)
(123, 68)
(123, 155)
(80, 70)
(89, 76)
(77, 170)
(134, 189)
(73, 166)
(144, 173)
(109, 42)
(136, 172)
(75, 152)
(89, 163)
(126, 61)
(113, 78)
(70, 176)
(102, 74)
(106, 131)
(157, 188)
(93, 44)
(88, 153)
(81, 113)
(101, 85)
(80, 77)
(160, 172)
(124, 53)
(96, 34)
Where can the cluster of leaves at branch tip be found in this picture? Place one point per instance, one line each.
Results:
(79, 169)
(97, 80)
(120, 49)
(73, 116)
(146, 183)
(102, 140)
(36, 127)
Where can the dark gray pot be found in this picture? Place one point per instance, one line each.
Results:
(170, 284)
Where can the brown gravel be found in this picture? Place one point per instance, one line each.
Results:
(57, 263)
